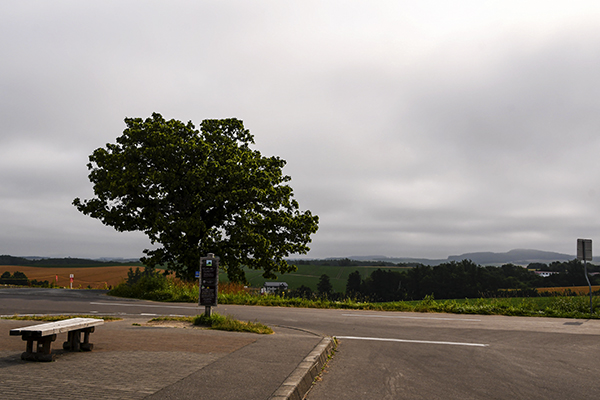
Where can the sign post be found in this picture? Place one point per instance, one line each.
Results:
(584, 252)
(209, 282)
(71, 277)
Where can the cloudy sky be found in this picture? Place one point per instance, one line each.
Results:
(417, 129)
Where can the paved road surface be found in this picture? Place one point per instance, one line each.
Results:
(404, 355)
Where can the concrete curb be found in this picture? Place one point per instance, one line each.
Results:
(300, 380)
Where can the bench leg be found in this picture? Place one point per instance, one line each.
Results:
(74, 343)
(43, 348)
(86, 345)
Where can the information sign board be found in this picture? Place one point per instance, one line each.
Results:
(209, 280)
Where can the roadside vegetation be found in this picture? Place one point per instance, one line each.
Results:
(20, 279)
(152, 285)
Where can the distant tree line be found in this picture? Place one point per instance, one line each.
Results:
(59, 262)
(346, 262)
(464, 279)
(454, 280)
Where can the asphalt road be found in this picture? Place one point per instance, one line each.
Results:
(389, 355)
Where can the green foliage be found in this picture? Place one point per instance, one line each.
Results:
(134, 277)
(451, 280)
(353, 284)
(198, 192)
(228, 323)
(303, 292)
(569, 274)
(382, 286)
(562, 307)
(324, 286)
(44, 284)
(557, 306)
(152, 285)
(17, 278)
(308, 275)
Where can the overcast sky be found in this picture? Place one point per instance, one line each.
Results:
(411, 128)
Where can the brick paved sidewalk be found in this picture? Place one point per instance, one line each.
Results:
(134, 362)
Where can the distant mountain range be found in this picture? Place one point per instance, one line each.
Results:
(516, 256)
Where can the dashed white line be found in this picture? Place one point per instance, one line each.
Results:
(412, 341)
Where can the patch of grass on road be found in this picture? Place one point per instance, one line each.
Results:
(220, 322)
(228, 323)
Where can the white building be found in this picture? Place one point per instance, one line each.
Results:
(545, 274)
(272, 287)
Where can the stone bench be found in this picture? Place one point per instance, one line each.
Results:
(45, 334)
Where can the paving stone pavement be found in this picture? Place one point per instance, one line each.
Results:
(135, 362)
(122, 375)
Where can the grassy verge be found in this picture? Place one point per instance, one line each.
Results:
(562, 307)
(52, 318)
(222, 323)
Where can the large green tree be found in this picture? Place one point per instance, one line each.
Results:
(195, 192)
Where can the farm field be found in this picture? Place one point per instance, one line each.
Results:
(94, 277)
(308, 275)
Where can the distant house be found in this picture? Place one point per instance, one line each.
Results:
(545, 274)
(272, 287)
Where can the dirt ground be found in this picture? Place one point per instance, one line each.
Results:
(95, 277)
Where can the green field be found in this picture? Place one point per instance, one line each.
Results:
(308, 275)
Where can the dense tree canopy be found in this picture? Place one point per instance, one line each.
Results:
(324, 287)
(196, 192)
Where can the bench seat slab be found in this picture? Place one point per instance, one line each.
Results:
(52, 328)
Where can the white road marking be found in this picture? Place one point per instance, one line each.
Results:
(406, 317)
(412, 341)
(148, 314)
(142, 305)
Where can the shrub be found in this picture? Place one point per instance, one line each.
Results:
(149, 285)
(17, 278)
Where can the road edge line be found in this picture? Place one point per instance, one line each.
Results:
(300, 380)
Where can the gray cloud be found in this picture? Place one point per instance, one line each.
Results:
(411, 129)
